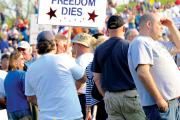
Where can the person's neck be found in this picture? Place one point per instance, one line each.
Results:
(117, 35)
(53, 52)
(144, 33)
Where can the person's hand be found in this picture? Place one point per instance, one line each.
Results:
(162, 105)
(88, 115)
(166, 22)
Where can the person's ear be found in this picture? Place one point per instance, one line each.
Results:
(107, 32)
(124, 29)
(65, 47)
(149, 24)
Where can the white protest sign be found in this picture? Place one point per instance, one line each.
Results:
(35, 29)
(87, 13)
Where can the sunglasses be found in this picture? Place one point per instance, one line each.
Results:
(21, 49)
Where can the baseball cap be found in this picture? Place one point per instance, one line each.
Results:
(115, 22)
(84, 39)
(45, 35)
(24, 44)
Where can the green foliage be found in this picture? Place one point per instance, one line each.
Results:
(10, 21)
(166, 1)
(120, 8)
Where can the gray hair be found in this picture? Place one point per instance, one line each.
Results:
(145, 18)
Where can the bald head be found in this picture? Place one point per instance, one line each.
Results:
(145, 18)
(131, 34)
(150, 25)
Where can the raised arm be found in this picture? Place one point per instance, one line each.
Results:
(174, 32)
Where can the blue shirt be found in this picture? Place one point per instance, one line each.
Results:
(90, 101)
(110, 60)
(14, 85)
(164, 71)
(4, 45)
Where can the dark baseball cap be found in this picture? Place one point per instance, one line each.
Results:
(115, 22)
(45, 35)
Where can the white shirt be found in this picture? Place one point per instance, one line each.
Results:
(84, 61)
(51, 79)
(2, 77)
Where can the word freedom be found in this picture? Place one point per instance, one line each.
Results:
(74, 2)
(73, 7)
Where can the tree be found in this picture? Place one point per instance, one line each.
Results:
(16, 8)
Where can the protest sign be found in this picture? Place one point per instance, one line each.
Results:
(36, 28)
(87, 13)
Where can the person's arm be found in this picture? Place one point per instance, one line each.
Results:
(78, 73)
(88, 113)
(174, 32)
(143, 71)
(80, 82)
(97, 81)
(32, 99)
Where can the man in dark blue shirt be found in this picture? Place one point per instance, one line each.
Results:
(112, 75)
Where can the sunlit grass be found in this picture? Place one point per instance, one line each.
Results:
(132, 4)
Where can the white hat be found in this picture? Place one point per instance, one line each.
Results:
(23, 44)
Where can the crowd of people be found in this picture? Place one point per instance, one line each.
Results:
(126, 71)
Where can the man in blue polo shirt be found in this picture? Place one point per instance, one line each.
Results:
(112, 75)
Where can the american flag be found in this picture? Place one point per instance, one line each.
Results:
(63, 30)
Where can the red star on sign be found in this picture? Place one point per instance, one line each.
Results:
(92, 16)
(51, 13)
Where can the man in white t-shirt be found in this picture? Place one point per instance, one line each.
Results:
(50, 81)
(82, 47)
(154, 71)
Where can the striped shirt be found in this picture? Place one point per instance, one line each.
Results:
(90, 101)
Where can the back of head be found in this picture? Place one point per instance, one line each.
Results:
(115, 25)
(131, 34)
(5, 56)
(45, 42)
(60, 37)
(115, 22)
(62, 43)
(97, 35)
(99, 41)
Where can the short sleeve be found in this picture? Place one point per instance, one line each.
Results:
(95, 64)
(76, 70)
(22, 80)
(140, 52)
(29, 91)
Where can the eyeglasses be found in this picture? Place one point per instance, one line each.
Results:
(21, 49)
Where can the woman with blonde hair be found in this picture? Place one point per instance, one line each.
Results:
(100, 113)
